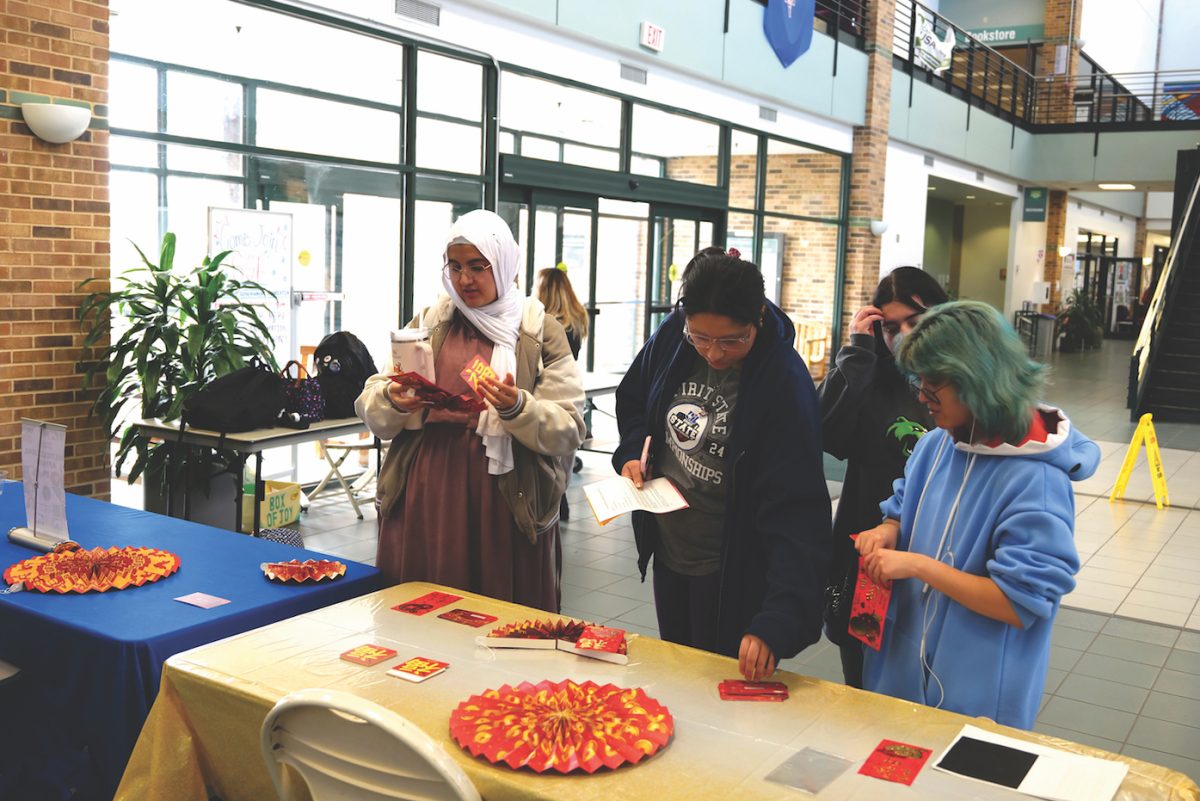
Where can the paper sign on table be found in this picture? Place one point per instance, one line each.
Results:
(418, 669)
(1031, 768)
(476, 371)
(427, 603)
(738, 690)
(202, 600)
(368, 654)
(468, 618)
(895, 762)
(43, 446)
(615, 496)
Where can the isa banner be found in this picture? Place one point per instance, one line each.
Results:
(1035, 204)
(788, 25)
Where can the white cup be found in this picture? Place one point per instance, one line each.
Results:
(412, 352)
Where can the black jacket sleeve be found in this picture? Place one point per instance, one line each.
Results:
(842, 392)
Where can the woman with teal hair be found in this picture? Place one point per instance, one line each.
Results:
(977, 539)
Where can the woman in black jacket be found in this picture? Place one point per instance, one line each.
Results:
(871, 418)
(731, 414)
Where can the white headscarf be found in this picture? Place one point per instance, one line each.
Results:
(499, 321)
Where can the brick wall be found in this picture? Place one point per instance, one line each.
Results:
(1062, 22)
(1056, 228)
(54, 227)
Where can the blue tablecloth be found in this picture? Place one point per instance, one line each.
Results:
(91, 663)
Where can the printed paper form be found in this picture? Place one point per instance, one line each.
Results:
(617, 495)
(43, 447)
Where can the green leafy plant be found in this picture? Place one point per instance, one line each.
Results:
(184, 330)
(1081, 322)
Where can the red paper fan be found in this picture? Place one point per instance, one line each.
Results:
(541, 630)
(308, 570)
(565, 726)
(98, 569)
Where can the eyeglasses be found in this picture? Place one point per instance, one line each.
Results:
(456, 271)
(724, 344)
(927, 396)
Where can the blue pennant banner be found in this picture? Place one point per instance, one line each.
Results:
(788, 25)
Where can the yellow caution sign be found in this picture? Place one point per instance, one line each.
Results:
(1144, 434)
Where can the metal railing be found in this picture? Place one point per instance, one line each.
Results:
(1150, 338)
(932, 49)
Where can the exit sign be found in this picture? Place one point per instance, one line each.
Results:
(653, 36)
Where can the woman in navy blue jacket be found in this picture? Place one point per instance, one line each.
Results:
(733, 422)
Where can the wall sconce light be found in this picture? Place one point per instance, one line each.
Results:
(1064, 251)
(878, 227)
(56, 123)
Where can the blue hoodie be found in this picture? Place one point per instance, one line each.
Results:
(1015, 523)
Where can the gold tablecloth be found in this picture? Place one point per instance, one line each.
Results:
(203, 731)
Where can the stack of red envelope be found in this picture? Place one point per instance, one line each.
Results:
(563, 726)
(98, 569)
(434, 397)
(308, 570)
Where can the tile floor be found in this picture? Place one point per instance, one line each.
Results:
(1125, 660)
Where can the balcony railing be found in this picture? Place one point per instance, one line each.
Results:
(931, 49)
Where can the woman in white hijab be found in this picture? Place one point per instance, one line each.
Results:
(470, 500)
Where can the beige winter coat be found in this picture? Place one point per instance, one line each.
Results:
(549, 424)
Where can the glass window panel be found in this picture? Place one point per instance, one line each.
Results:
(431, 223)
(740, 235)
(203, 159)
(449, 86)
(449, 146)
(535, 148)
(508, 142)
(133, 96)
(188, 200)
(808, 266)
(132, 152)
(236, 39)
(592, 157)
(533, 105)
(743, 169)
(688, 145)
(134, 202)
(802, 181)
(204, 108)
(290, 121)
(641, 165)
(371, 270)
(620, 292)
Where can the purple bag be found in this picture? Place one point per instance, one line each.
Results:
(303, 394)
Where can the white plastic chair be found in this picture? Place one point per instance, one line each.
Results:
(327, 744)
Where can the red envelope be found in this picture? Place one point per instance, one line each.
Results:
(895, 762)
(868, 610)
(476, 371)
(368, 654)
(738, 690)
(468, 618)
(434, 397)
(427, 603)
(418, 668)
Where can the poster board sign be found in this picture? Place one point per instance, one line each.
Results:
(261, 242)
(1035, 204)
(43, 453)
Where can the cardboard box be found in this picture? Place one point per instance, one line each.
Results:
(280, 506)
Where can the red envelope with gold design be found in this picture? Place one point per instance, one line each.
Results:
(868, 610)
(476, 371)
(563, 726)
(895, 762)
(98, 569)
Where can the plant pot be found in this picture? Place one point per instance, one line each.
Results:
(211, 501)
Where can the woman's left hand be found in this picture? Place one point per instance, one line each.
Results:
(886, 565)
(755, 659)
(502, 396)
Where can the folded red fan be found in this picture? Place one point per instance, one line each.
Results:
(308, 570)
(98, 569)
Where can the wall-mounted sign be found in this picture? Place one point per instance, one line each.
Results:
(1009, 34)
(1035, 204)
(653, 36)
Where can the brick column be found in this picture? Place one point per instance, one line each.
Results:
(1056, 227)
(868, 163)
(1061, 20)
(54, 228)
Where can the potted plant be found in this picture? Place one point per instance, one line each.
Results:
(1080, 322)
(185, 328)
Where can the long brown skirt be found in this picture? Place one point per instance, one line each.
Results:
(454, 528)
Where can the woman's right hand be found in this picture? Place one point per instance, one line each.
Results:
(400, 398)
(864, 318)
(882, 536)
(633, 471)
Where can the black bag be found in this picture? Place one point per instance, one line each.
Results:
(343, 367)
(249, 398)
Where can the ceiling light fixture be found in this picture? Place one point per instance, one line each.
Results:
(1118, 187)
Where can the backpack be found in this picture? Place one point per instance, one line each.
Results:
(343, 366)
(248, 398)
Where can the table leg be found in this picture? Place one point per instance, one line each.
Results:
(239, 494)
(259, 491)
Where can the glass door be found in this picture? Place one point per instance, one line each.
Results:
(678, 234)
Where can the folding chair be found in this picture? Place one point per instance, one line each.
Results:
(336, 451)
(328, 744)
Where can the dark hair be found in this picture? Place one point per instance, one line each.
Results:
(715, 282)
(907, 284)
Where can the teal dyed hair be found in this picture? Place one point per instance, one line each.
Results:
(969, 344)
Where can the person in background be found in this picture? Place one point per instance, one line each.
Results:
(556, 294)
(732, 420)
(978, 537)
(870, 418)
(466, 499)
